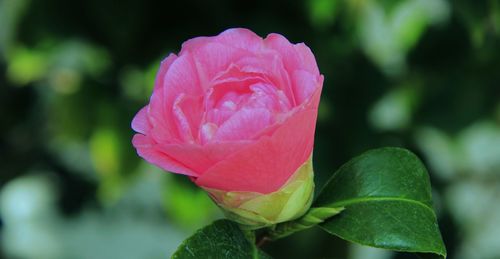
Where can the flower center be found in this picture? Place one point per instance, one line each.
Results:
(239, 107)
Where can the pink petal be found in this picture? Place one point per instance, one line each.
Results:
(235, 37)
(307, 58)
(269, 65)
(193, 44)
(267, 96)
(181, 121)
(192, 107)
(182, 77)
(313, 101)
(140, 123)
(148, 149)
(217, 117)
(240, 38)
(161, 119)
(187, 113)
(207, 132)
(244, 124)
(214, 58)
(268, 163)
(305, 84)
(199, 157)
(164, 66)
(295, 57)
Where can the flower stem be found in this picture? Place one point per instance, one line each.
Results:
(313, 217)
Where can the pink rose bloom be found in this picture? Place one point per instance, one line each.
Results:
(234, 112)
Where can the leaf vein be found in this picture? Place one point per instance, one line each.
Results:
(353, 201)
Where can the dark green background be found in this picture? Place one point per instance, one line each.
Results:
(419, 74)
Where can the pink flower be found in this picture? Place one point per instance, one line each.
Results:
(235, 112)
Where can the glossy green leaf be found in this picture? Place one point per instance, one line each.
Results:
(220, 240)
(386, 194)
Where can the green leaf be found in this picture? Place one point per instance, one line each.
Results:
(386, 194)
(222, 239)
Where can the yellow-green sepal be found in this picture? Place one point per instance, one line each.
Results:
(257, 210)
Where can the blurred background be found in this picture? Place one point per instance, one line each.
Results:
(420, 74)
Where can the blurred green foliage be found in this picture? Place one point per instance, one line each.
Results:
(421, 74)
